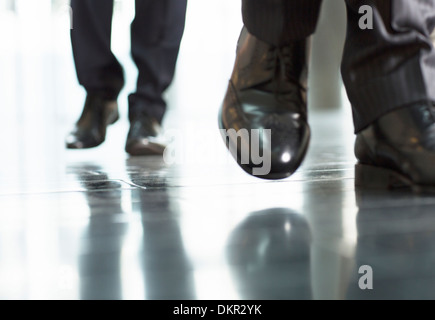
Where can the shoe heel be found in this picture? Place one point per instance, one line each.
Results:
(371, 177)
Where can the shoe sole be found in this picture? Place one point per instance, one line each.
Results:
(372, 177)
(150, 149)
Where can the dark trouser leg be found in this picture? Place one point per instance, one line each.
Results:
(156, 34)
(279, 22)
(96, 66)
(393, 64)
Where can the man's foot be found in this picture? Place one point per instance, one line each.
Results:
(398, 150)
(264, 111)
(90, 129)
(143, 138)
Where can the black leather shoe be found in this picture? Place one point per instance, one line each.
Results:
(265, 104)
(144, 137)
(90, 129)
(398, 150)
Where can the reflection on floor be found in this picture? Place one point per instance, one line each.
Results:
(97, 224)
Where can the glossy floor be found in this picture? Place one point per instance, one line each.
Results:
(98, 224)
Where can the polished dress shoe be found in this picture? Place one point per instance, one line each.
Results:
(398, 150)
(90, 129)
(267, 96)
(144, 137)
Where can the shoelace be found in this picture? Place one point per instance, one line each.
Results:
(280, 61)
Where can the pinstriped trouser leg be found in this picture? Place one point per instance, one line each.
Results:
(280, 21)
(393, 64)
(388, 67)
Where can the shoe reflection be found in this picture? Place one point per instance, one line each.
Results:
(269, 256)
(167, 269)
(396, 238)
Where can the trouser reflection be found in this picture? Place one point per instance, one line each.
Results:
(109, 266)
